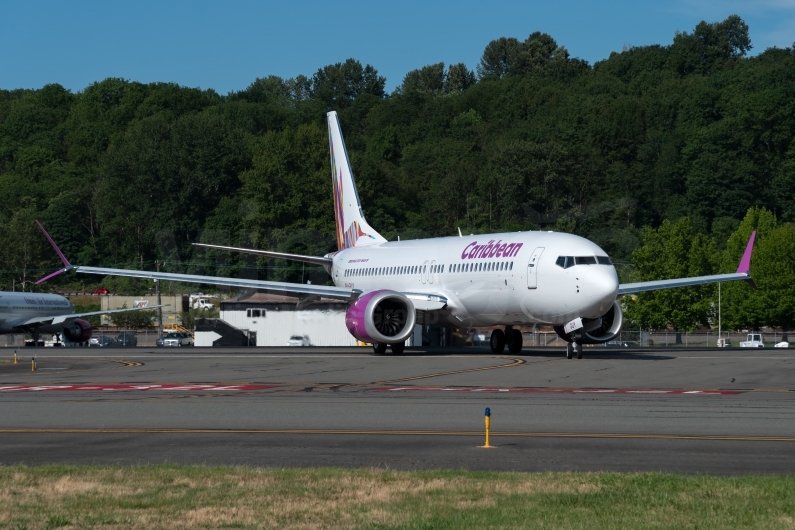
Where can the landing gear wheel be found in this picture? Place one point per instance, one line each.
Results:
(515, 346)
(497, 341)
(569, 350)
(578, 347)
(397, 348)
(379, 348)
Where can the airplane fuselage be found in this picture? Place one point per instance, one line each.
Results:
(510, 278)
(16, 307)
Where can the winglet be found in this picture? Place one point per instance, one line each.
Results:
(745, 262)
(67, 265)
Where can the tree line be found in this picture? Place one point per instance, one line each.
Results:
(126, 174)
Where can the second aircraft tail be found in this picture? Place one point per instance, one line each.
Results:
(352, 228)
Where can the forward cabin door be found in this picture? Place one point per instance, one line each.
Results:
(431, 271)
(532, 268)
(424, 272)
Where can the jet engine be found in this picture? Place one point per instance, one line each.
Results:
(381, 316)
(597, 330)
(77, 330)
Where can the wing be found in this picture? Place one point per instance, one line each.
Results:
(58, 319)
(290, 289)
(743, 273)
(316, 260)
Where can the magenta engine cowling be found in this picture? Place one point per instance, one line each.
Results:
(381, 316)
(77, 331)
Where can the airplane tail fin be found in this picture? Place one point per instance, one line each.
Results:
(352, 228)
(67, 265)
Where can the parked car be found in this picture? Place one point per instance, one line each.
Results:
(615, 344)
(103, 341)
(177, 338)
(298, 340)
(127, 338)
(100, 290)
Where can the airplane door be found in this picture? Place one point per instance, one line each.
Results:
(532, 268)
(424, 272)
(431, 272)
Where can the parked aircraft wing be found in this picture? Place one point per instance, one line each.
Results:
(58, 319)
(743, 273)
(289, 289)
(317, 260)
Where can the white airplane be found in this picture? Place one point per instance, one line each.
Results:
(505, 279)
(37, 313)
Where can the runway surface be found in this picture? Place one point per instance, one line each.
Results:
(715, 411)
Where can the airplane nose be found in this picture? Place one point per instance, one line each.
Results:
(602, 283)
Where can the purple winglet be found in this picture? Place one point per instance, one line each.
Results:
(65, 261)
(745, 262)
(57, 250)
(52, 275)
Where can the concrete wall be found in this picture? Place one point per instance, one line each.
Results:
(171, 314)
(323, 327)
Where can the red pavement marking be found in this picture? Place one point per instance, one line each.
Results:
(559, 390)
(128, 387)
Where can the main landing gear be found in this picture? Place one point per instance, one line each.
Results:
(572, 348)
(510, 337)
(379, 348)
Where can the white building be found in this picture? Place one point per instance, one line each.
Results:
(270, 320)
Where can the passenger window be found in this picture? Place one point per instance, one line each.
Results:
(511, 265)
(603, 260)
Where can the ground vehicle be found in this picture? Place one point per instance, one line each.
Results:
(754, 341)
(127, 338)
(177, 338)
(200, 301)
(100, 290)
(615, 344)
(479, 339)
(298, 340)
(103, 341)
(724, 342)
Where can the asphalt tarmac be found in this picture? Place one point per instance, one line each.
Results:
(674, 409)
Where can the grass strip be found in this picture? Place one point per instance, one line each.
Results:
(176, 496)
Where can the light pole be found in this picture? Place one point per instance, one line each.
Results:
(719, 311)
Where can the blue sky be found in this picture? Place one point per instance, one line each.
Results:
(226, 45)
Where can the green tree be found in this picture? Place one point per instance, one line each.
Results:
(673, 251)
(142, 318)
(774, 275)
(742, 304)
(498, 57)
(337, 85)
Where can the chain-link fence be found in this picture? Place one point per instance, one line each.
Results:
(684, 339)
(100, 337)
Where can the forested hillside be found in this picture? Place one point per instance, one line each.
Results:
(125, 173)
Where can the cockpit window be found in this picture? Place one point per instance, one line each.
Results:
(585, 260)
(603, 260)
(565, 261)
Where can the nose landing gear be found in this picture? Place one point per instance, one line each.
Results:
(572, 348)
